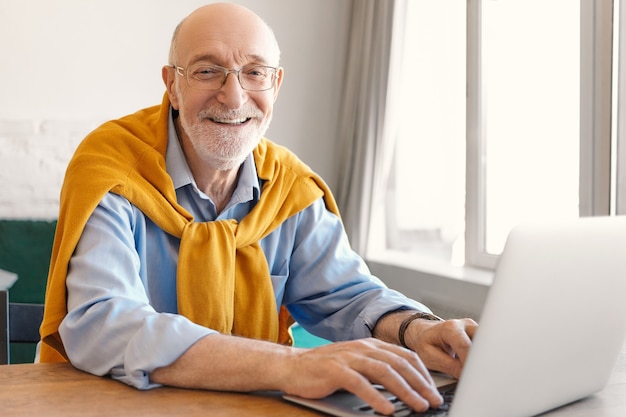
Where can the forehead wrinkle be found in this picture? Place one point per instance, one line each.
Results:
(214, 59)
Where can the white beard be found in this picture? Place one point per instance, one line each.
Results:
(222, 148)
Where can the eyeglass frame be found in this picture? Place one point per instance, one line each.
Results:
(227, 72)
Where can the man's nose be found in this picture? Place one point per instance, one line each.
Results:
(231, 93)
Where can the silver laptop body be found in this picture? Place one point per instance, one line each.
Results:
(551, 329)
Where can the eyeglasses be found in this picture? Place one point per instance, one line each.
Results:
(213, 77)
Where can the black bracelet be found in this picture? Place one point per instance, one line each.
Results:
(405, 324)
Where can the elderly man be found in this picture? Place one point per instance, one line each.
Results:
(187, 243)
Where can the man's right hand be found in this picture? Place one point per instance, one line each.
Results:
(356, 365)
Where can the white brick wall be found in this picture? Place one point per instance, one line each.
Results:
(33, 158)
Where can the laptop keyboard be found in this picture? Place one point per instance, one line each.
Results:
(402, 410)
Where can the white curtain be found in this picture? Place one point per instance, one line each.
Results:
(366, 117)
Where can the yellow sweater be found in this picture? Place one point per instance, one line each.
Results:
(223, 280)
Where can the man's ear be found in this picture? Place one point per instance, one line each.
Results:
(168, 74)
(279, 80)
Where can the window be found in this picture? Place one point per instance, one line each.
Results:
(504, 117)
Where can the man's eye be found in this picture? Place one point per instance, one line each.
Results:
(256, 72)
(206, 72)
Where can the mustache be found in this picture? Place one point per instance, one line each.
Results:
(245, 113)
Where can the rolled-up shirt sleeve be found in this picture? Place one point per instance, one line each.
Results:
(111, 326)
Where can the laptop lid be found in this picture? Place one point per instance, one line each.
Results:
(554, 320)
(552, 326)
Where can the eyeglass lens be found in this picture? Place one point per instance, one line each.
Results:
(252, 77)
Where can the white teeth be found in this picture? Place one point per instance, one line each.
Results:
(230, 121)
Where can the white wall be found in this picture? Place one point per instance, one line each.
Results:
(69, 65)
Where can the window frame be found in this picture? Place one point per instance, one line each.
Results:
(595, 124)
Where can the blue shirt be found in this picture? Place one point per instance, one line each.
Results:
(122, 306)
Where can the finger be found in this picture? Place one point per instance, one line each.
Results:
(450, 352)
(380, 373)
(411, 357)
(443, 359)
(399, 374)
(394, 355)
(362, 387)
(471, 327)
(461, 342)
(423, 382)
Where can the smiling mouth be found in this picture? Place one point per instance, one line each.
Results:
(238, 121)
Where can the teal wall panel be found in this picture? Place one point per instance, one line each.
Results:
(25, 248)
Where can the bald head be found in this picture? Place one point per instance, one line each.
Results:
(224, 29)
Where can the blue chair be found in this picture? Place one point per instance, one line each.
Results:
(19, 323)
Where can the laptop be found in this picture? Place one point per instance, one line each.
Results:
(551, 328)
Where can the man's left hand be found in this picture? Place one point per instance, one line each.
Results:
(442, 346)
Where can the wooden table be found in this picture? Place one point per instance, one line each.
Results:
(53, 390)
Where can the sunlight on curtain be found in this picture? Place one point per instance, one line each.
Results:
(362, 113)
(420, 205)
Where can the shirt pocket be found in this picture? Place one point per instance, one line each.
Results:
(279, 276)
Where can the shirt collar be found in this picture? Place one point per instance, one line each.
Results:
(248, 187)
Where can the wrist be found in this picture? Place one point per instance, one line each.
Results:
(285, 368)
(420, 315)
